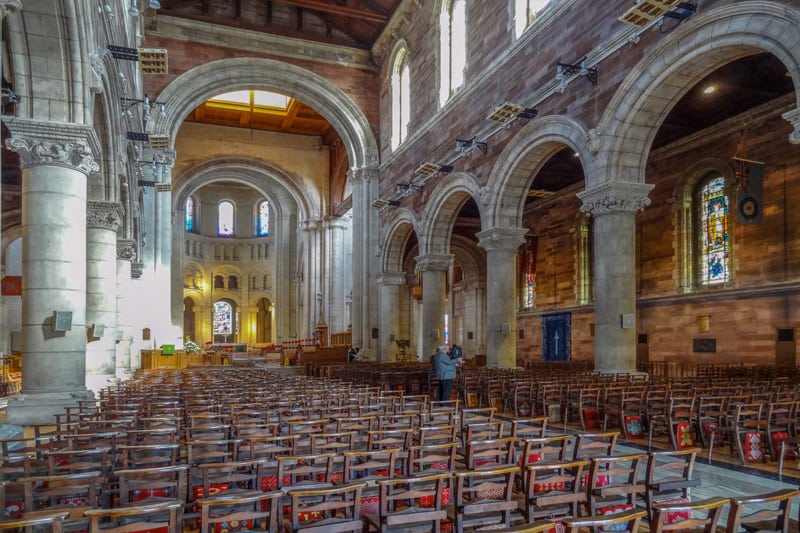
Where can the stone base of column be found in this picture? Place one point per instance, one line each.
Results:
(31, 409)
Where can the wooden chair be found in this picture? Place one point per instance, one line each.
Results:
(410, 504)
(38, 521)
(382, 439)
(614, 481)
(150, 517)
(267, 448)
(747, 422)
(326, 510)
(484, 498)
(542, 526)
(489, 453)
(152, 485)
(700, 515)
(75, 493)
(628, 521)
(554, 489)
(255, 512)
(432, 459)
(680, 415)
(435, 434)
(529, 428)
(670, 475)
(148, 455)
(767, 512)
(305, 471)
(595, 445)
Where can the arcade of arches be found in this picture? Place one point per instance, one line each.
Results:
(633, 207)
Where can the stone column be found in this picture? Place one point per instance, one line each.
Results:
(614, 207)
(56, 160)
(365, 234)
(339, 269)
(102, 221)
(501, 245)
(389, 283)
(434, 276)
(126, 252)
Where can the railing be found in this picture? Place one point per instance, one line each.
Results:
(342, 339)
(202, 248)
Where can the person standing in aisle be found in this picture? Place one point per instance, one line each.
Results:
(445, 371)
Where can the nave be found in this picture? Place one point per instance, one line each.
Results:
(195, 449)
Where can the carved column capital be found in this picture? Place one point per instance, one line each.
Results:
(126, 249)
(9, 6)
(72, 146)
(615, 197)
(433, 262)
(363, 174)
(501, 238)
(104, 215)
(793, 118)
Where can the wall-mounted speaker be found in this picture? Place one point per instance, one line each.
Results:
(62, 320)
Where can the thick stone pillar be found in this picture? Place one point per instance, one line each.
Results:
(389, 283)
(55, 160)
(365, 241)
(339, 270)
(614, 207)
(501, 245)
(102, 221)
(126, 252)
(434, 282)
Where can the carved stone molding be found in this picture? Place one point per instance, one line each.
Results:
(615, 198)
(392, 278)
(363, 174)
(501, 238)
(793, 118)
(433, 262)
(9, 6)
(126, 249)
(137, 268)
(104, 215)
(59, 144)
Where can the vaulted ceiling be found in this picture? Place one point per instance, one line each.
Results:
(354, 23)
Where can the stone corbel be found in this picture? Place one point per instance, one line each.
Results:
(501, 238)
(126, 249)
(104, 215)
(433, 262)
(793, 118)
(614, 197)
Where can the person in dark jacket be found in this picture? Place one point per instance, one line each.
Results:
(445, 371)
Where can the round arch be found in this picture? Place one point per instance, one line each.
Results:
(441, 211)
(197, 85)
(396, 233)
(705, 43)
(521, 160)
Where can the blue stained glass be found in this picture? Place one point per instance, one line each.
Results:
(189, 220)
(715, 236)
(263, 218)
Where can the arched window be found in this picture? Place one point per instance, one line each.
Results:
(223, 318)
(453, 47)
(262, 219)
(401, 87)
(189, 220)
(225, 219)
(583, 257)
(525, 13)
(527, 272)
(713, 236)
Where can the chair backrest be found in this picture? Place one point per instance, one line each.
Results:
(484, 498)
(253, 512)
(311, 469)
(369, 465)
(408, 501)
(614, 479)
(142, 484)
(489, 453)
(436, 434)
(553, 449)
(764, 512)
(151, 517)
(595, 445)
(148, 455)
(432, 458)
(221, 477)
(53, 519)
(381, 439)
(628, 521)
(326, 509)
(702, 514)
(529, 428)
(482, 430)
(551, 485)
(73, 492)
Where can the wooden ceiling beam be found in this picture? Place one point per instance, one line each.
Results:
(291, 113)
(333, 9)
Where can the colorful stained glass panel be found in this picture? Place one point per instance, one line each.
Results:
(715, 236)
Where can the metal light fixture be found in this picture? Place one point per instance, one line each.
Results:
(466, 146)
(134, 9)
(507, 112)
(431, 169)
(567, 70)
(380, 203)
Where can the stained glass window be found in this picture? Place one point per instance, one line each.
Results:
(189, 214)
(527, 272)
(262, 225)
(225, 219)
(453, 47)
(223, 315)
(714, 232)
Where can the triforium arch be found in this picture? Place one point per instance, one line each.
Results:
(521, 160)
(695, 49)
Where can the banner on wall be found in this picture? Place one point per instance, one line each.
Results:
(749, 187)
(12, 286)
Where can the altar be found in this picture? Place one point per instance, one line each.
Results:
(227, 347)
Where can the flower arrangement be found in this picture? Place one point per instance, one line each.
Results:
(190, 346)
